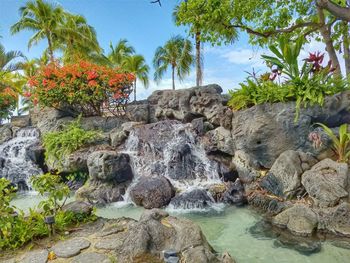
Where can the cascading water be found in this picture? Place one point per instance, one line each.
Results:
(170, 149)
(15, 164)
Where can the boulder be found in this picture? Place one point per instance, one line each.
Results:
(298, 219)
(265, 131)
(78, 208)
(99, 193)
(20, 121)
(326, 182)
(284, 177)
(336, 220)
(188, 104)
(245, 169)
(235, 194)
(71, 247)
(194, 199)
(138, 111)
(156, 231)
(36, 153)
(109, 166)
(152, 192)
(120, 134)
(220, 140)
(5, 133)
(266, 203)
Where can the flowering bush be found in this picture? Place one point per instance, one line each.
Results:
(8, 101)
(81, 87)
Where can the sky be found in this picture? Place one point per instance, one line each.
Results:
(146, 26)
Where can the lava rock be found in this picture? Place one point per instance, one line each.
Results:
(195, 199)
(36, 256)
(70, 248)
(299, 219)
(326, 182)
(78, 208)
(138, 111)
(5, 133)
(152, 192)
(235, 194)
(221, 140)
(109, 166)
(284, 178)
(20, 121)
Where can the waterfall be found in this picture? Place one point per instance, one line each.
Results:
(15, 164)
(170, 149)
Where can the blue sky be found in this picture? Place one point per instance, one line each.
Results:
(146, 26)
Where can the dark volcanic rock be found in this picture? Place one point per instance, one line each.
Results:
(195, 199)
(109, 166)
(266, 203)
(152, 192)
(138, 111)
(235, 194)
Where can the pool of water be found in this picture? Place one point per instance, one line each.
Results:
(227, 229)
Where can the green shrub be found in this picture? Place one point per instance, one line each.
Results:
(59, 144)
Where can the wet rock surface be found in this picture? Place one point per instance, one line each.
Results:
(195, 199)
(152, 192)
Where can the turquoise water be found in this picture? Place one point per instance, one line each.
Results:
(227, 229)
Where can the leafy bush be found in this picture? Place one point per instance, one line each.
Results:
(82, 87)
(307, 86)
(16, 228)
(59, 144)
(8, 101)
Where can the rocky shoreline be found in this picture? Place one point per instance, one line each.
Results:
(156, 237)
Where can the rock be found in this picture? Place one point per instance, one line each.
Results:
(36, 256)
(235, 194)
(265, 131)
(36, 153)
(195, 199)
(244, 167)
(5, 133)
(156, 231)
(109, 166)
(119, 135)
(20, 121)
(104, 124)
(96, 192)
(299, 219)
(326, 182)
(91, 257)
(303, 245)
(217, 191)
(265, 203)
(138, 111)
(111, 242)
(151, 192)
(198, 126)
(70, 248)
(284, 178)
(336, 220)
(78, 208)
(188, 104)
(221, 140)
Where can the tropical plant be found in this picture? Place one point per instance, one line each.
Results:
(9, 61)
(76, 38)
(55, 191)
(341, 142)
(59, 144)
(82, 87)
(8, 101)
(119, 52)
(136, 65)
(176, 54)
(43, 18)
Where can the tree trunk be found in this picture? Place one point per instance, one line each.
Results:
(49, 41)
(346, 48)
(135, 89)
(199, 73)
(335, 9)
(326, 35)
(173, 76)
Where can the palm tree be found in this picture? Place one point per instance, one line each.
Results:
(8, 63)
(76, 38)
(41, 17)
(136, 65)
(121, 50)
(196, 32)
(176, 53)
